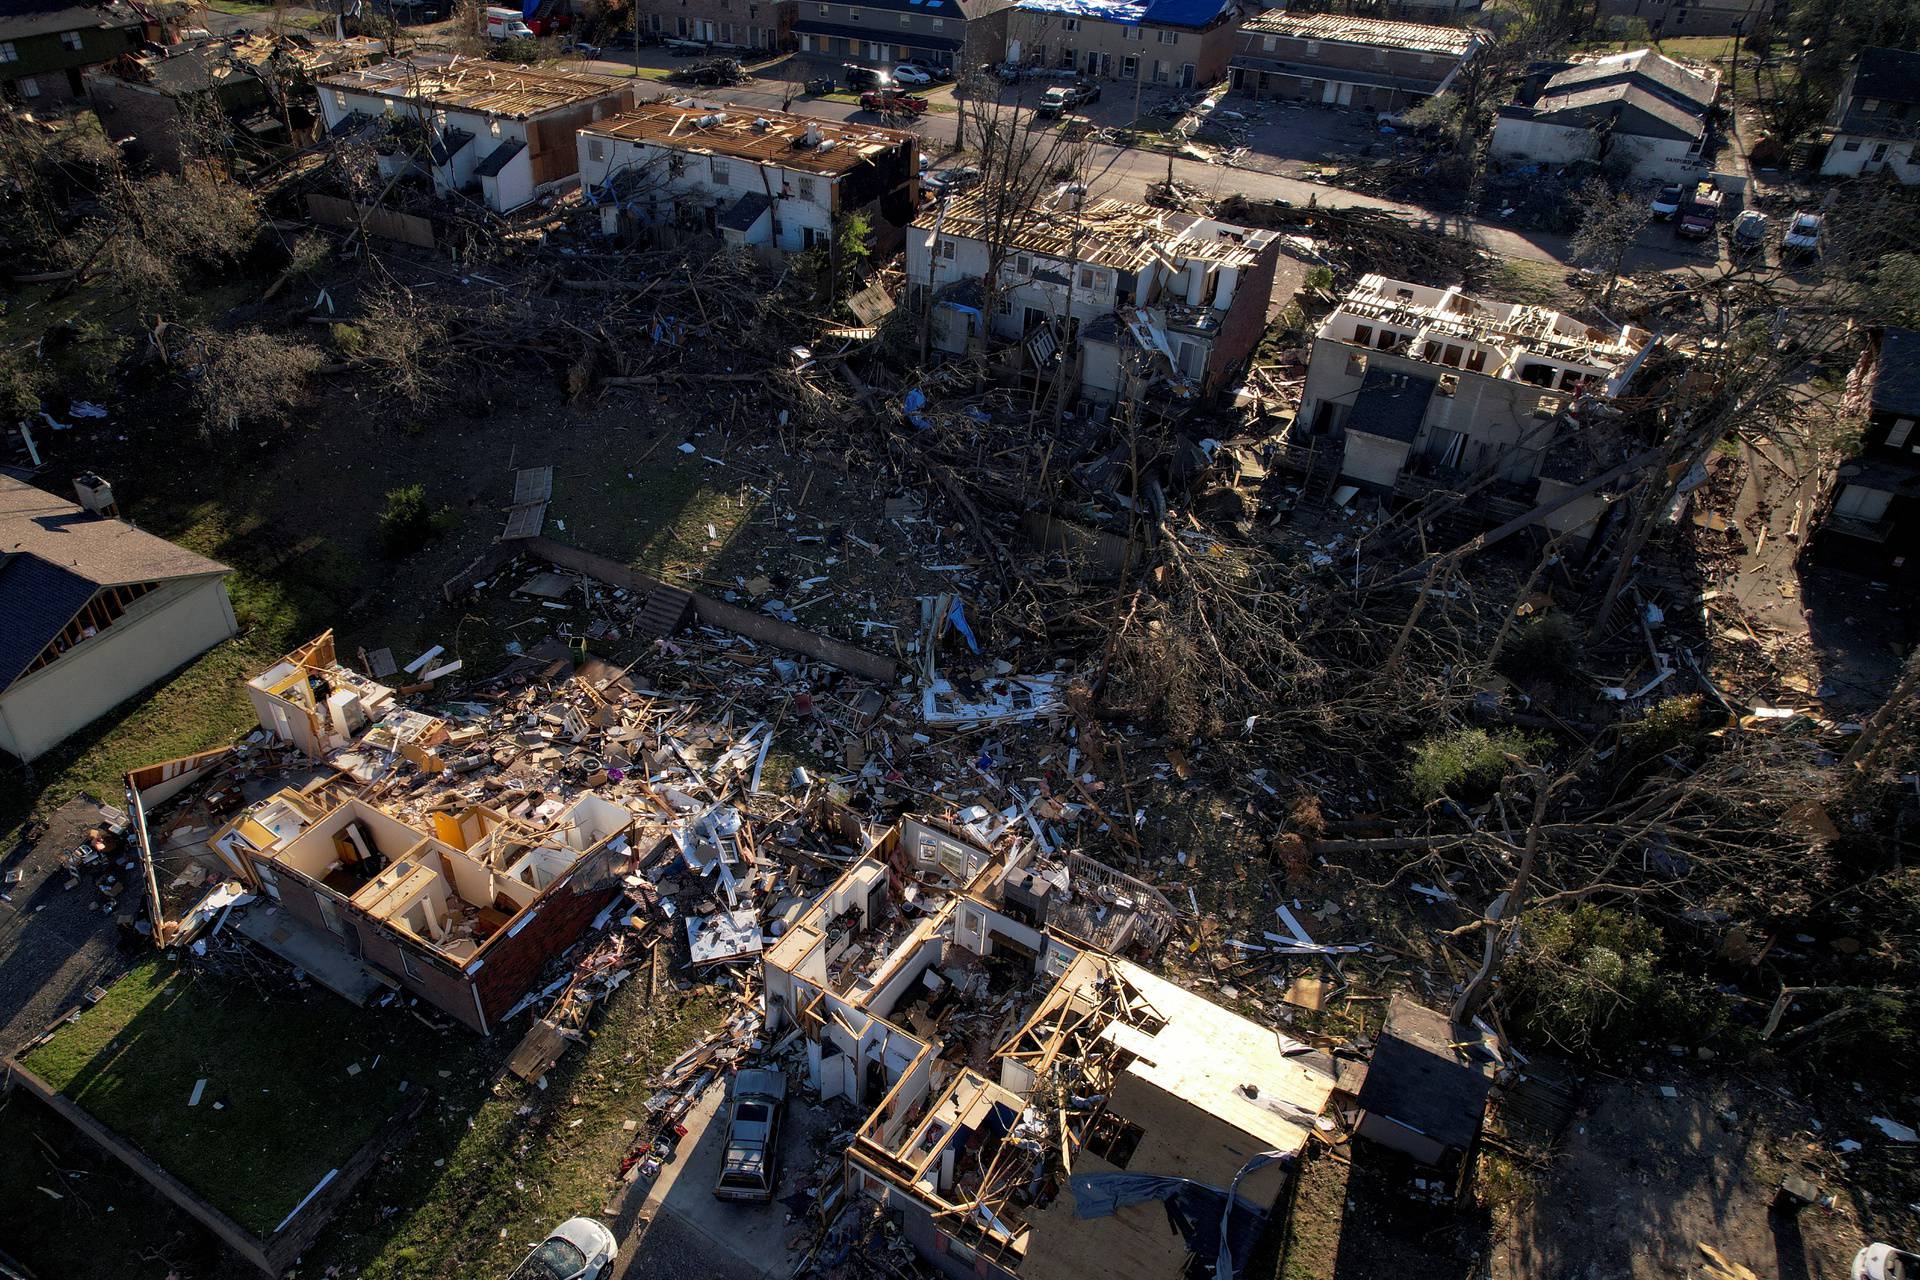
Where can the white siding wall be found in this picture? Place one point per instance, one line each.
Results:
(1668, 160)
(1901, 157)
(163, 630)
(802, 202)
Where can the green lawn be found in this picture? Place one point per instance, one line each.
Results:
(294, 1083)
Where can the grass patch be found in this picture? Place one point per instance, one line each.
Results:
(1540, 284)
(239, 8)
(277, 1066)
(496, 1180)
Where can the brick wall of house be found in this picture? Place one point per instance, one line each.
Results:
(511, 964)
(1246, 319)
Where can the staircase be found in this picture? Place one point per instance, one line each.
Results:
(664, 613)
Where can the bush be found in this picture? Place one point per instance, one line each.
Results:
(1669, 723)
(21, 386)
(1541, 645)
(408, 523)
(1589, 982)
(1467, 764)
(252, 378)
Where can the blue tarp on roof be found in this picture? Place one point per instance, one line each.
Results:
(1133, 13)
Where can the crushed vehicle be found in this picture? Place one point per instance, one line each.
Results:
(1666, 201)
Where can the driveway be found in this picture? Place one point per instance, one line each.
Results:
(56, 941)
(680, 1229)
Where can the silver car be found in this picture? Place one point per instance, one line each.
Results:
(750, 1170)
(577, 1249)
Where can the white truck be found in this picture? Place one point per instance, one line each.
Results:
(506, 24)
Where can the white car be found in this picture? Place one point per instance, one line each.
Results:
(1803, 233)
(1880, 1262)
(908, 74)
(577, 1249)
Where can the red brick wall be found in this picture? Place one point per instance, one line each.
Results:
(1246, 319)
(512, 964)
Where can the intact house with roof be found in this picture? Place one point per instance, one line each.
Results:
(765, 25)
(1872, 524)
(46, 46)
(947, 34)
(768, 181)
(1410, 387)
(1370, 63)
(250, 88)
(964, 987)
(94, 611)
(1182, 43)
(507, 132)
(459, 901)
(1876, 118)
(1639, 113)
(1138, 300)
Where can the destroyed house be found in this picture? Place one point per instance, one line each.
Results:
(1139, 301)
(1639, 112)
(505, 133)
(768, 181)
(1371, 63)
(1876, 118)
(1181, 43)
(92, 610)
(971, 1002)
(456, 894)
(1411, 386)
(1872, 523)
(256, 86)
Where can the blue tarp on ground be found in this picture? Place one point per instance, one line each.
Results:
(1194, 1209)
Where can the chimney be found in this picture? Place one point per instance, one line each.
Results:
(96, 495)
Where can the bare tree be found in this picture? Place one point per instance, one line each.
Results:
(1610, 224)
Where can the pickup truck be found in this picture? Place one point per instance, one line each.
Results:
(891, 102)
(1702, 211)
(1062, 97)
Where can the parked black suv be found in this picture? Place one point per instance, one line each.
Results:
(858, 77)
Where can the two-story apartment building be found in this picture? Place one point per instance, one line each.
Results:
(1876, 118)
(506, 131)
(1873, 522)
(1407, 382)
(764, 25)
(1137, 298)
(1180, 43)
(948, 34)
(1371, 63)
(769, 181)
(45, 45)
(1639, 111)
